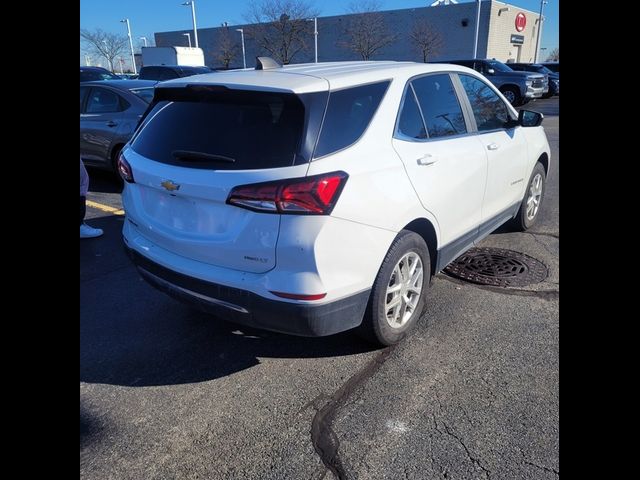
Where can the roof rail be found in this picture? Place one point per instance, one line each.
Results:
(266, 63)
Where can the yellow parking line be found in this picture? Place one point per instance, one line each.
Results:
(105, 208)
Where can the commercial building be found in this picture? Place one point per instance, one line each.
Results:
(506, 33)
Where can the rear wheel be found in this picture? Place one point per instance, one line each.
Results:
(399, 291)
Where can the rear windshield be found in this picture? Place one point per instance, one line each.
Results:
(224, 130)
(145, 94)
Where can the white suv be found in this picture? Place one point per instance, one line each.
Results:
(312, 199)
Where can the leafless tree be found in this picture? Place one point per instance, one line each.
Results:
(102, 44)
(281, 27)
(226, 48)
(425, 39)
(367, 33)
(554, 56)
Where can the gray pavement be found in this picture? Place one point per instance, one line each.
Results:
(168, 392)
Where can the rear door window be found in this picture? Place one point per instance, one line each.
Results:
(102, 100)
(410, 122)
(440, 106)
(348, 115)
(230, 130)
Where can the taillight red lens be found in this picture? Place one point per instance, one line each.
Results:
(315, 195)
(299, 296)
(124, 169)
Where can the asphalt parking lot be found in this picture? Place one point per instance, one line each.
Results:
(168, 392)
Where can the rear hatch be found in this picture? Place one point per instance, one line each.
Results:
(195, 144)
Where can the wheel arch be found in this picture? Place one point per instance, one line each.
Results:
(427, 231)
(544, 160)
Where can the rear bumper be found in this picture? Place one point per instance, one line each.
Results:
(247, 308)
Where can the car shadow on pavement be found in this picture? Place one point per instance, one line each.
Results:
(134, 335)
(103, 181)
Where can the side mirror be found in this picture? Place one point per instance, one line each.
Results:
(527, 118)
(490, 71)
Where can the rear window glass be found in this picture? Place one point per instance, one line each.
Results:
(232, 130)
(348, 115)
(144, 93)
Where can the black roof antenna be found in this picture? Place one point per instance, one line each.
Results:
(266, 63)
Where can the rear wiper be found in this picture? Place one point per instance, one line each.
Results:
(189, 155)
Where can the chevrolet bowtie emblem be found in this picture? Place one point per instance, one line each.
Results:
(169, 185)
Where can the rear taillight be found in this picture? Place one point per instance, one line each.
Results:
(124, 169)
(299, 296)
(315, 195)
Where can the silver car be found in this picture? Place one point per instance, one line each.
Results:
(109, 114)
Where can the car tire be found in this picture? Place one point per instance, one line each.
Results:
(385, 322)
(530, 206)
(512, 95)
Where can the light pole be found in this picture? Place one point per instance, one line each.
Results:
(188, 38)
(193, 14)
(315, 34)
(121, 65)
(144, 39)
(244, 59)
(540, 18)
(133, 57)
(475, 42)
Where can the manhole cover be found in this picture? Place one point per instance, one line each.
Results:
(497, 267)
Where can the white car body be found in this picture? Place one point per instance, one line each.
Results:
(452, 190)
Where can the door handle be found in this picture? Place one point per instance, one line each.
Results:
(427, 159)
(493, 146)
(111, 123)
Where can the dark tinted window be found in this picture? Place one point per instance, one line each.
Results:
(83, 94)
(144, 93)
(256, 129)
(157, 73)
(489, 110)
(497, 66)
(410, 122)
(348, 115)
(92, 75)
(440, 107)
(102, 100)
(188, 71)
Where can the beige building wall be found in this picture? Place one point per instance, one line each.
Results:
(502, 24)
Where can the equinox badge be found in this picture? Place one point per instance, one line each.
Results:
(169, 185)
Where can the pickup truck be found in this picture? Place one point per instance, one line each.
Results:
(554, 77)
(517, 87)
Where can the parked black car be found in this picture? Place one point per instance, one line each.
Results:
(168, 72)
(517, 87)
(554, 77)
(91, 74)
(553, 66)
(109, 114)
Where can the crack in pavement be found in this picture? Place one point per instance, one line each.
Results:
(541, 467)
(544, 245)
(447, 431)
(546, 234)
(324, 439)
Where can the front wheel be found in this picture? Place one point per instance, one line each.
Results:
(512, 95)
(530, 206)
(399, 291)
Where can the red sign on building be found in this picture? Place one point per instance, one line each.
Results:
(521, 22)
